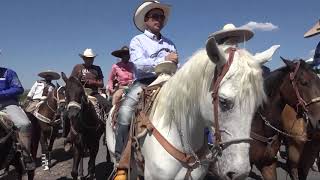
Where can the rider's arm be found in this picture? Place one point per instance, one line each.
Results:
(316, 58)
(111, 78)
(15, 87)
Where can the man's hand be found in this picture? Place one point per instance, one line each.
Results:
(172, 57)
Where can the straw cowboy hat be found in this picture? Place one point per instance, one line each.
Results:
(49, 75)
(229, 30)
(144, 8)
(88, 53)
(167, 67)
(121, 52)
(313, 31)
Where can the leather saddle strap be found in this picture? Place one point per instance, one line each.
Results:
(184, 158)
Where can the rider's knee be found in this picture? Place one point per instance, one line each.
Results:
(125, 115)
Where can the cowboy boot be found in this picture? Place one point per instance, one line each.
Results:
(25, 138)
(120, 175)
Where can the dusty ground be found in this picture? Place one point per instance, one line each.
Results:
(62, 164)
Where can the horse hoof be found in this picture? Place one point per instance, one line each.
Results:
(90, 176)
(67, 147)
(81, 178)
(46, 168)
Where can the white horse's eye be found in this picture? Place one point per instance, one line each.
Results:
(225, 104)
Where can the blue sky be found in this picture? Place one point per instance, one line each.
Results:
(37, 35)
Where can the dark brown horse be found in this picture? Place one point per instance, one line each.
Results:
(297, 85)
(10, 153)
(86, 127)
(46, 121)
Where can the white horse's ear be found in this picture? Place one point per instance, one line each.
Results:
(266, 55)
(213, 50)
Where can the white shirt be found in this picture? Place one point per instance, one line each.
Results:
(146, 51)
(37, 89)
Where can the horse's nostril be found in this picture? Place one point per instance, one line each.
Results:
(230, 174)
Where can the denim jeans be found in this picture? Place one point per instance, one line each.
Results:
(18, 117)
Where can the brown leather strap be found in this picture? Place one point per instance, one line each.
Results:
(301, 101)
(185, 159)
(258, 137)
(215, 92)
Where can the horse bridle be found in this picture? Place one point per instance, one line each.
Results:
(219, 145)
(57, 99)
(301, 102)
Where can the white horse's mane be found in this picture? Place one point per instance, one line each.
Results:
(180, 98)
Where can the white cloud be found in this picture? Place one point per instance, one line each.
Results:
(260, 26)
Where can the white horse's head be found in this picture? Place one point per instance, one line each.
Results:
(240, 93)
(186, 100)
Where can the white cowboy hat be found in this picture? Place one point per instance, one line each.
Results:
(144, 8)
(167, 67)
(49, 75)
(313, 31)
(229, 30)
(88, 53)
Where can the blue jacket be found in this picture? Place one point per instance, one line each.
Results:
(316, 58)
(10, 87)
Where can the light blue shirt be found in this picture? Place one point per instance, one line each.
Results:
(146, 51)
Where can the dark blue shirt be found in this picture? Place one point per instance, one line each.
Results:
(316, 58)
(10, 87)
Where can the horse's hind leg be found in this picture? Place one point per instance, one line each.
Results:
(18, 166)
(44, 147)
(53, 136)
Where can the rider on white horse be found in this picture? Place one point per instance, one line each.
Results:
(36, 93)
(146, 51)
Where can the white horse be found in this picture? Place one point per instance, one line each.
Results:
(183, 109)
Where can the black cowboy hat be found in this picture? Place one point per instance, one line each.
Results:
(49, 75)
(121, 52)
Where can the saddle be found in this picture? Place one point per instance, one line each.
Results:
(33, 105)
(139, 127)
(102, 115)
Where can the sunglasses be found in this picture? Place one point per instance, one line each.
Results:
(157, 16)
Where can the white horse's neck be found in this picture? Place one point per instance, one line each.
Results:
(176, 110)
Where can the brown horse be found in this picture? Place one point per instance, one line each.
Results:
(46, 121)
(295, 84)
